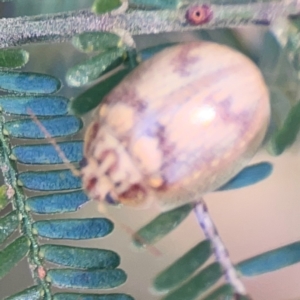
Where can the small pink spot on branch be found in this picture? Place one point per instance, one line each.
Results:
(199, 14)
(10, 192)
(41, 272)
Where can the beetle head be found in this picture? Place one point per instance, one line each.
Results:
(108, 172)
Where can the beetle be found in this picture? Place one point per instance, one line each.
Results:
(180, 125)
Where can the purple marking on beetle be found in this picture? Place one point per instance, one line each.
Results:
(184, 60)
(164, 144)
(129, 97)
(199, 14)
(159, 132)
(244, 118)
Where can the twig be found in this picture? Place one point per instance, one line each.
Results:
(220, 250)
(61, 27)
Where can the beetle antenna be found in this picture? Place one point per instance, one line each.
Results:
(152, 249)
(60, 153)
(102, 209)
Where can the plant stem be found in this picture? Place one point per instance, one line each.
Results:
(61, 27)
(18, 200)
(220, 250)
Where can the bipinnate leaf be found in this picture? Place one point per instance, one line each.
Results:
(271, 261)
(184, 267)
(161, 226)
(12, 254)
(83, 268)
(86, 279)
(8, 224)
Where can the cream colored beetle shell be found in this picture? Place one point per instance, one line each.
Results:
(180, 125)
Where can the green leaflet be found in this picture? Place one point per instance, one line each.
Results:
(280, 107)
(8, 224)
(292, 43)
(103, 6)
(73, 229)
(92, 68)
(224, 292)
(156, 4)
(243, 297)
(196, 286)
(161, 226)
(28, 82)
(295, 22)
(33, 8)
(13, 58)
(77, 257)
(276, 68)
(271, 260)
(75, 296)
(96, 41)
(12, 254)
(184, 267)
(283, 81)
(3, 197)
(92, 97)
(286, 135)
(87, 279)
(32, 293)
(270, 57)
(57, 203)
(248, 176)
